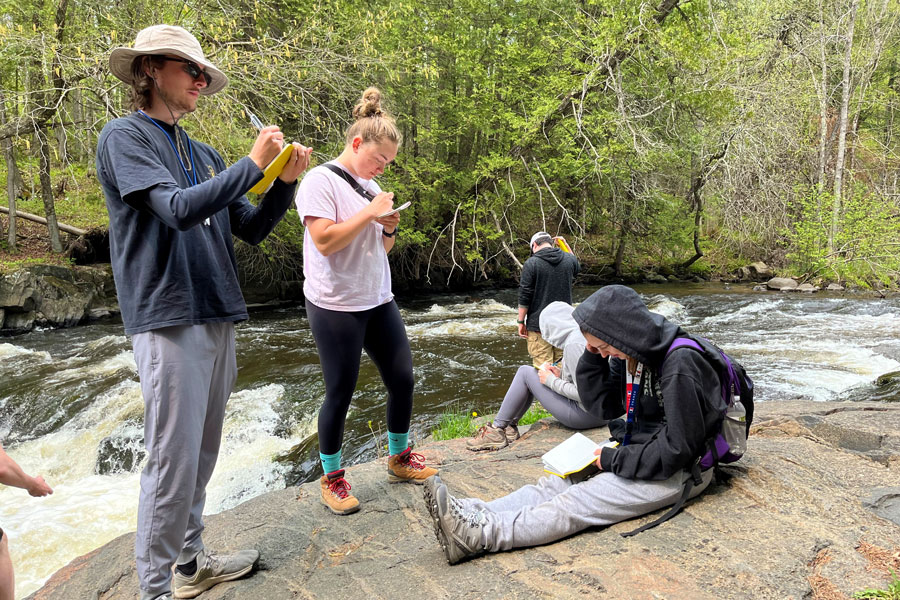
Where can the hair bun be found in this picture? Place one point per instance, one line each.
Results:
(369, 105)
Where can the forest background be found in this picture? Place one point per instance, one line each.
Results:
(684, 137)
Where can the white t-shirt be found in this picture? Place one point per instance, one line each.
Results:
(358, 277)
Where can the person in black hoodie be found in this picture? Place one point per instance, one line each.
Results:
(679, 407)
(547, 277)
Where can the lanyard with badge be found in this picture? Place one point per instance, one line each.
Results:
(190, 173)
(632, 395)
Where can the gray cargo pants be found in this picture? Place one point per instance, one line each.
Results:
(187, 373)
(555, 508)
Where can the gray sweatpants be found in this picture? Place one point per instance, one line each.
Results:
(187, 373)
(555, 508)
(525, 387)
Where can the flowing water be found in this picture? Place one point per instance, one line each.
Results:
(69, 399)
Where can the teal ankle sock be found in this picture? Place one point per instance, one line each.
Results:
(330, 462)
(397, 442)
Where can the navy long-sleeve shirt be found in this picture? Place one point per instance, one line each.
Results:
(171, 219)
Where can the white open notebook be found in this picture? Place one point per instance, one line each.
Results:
(571, 456)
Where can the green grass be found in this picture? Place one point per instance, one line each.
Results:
(78, 197)
(456, 423)
(891, 593)
(10, 265)
(534, 414)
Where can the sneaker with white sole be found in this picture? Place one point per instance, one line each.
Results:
(211, 570)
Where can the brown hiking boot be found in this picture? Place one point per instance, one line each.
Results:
(488, 437)
(408, 466)
(336, 494)
(512, 433)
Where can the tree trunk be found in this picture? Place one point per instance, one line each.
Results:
(43, 148)
(43, 221)
(697, 183)
(823, 112)
(14, 184)
(11, 191)
(842, 129)
(62, 141)
(620, 250)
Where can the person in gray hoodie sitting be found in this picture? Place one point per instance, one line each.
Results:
(553, 385)
(679, 407)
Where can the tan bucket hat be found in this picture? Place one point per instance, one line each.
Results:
(165, 39)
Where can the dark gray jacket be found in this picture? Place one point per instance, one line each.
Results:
(681, 401)
(546, 277)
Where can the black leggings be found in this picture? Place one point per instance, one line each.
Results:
(340, 336)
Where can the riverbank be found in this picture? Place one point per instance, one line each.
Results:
(811, 513)
(58, 295)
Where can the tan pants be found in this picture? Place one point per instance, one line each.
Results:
(541, 351)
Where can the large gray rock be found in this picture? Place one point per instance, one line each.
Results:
(54, 296)
(781, 283)
(805, 511)
(758, 271)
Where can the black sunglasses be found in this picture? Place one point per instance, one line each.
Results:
(191, 68)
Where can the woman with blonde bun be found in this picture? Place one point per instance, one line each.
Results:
(349, 302)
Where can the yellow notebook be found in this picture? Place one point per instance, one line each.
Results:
(273, 170)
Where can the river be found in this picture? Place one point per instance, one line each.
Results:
(63, 392)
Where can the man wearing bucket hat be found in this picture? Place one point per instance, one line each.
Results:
(173, 208)
(547, 277)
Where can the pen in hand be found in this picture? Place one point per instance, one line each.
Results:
(254, 120)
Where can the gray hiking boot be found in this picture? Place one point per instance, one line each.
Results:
(213, 569)
(458, 530)
(512, 433)
(430, 493)
(487, 437)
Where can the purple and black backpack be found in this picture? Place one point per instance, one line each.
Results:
(729, 443)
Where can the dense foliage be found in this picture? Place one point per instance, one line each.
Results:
(670, 135)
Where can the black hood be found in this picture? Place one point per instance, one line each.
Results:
(553, 256)
(618, 316)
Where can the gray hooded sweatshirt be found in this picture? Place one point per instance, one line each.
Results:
(560, 329)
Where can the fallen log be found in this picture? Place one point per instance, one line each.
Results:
(43, 221)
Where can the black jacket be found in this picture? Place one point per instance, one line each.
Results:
(546, 277)
(681, 402)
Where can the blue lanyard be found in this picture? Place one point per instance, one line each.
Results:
(192, 176)
(632, 395)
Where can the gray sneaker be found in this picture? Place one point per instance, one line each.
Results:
(213, 569)
(487, 437)
(512, 433)
(458, 530)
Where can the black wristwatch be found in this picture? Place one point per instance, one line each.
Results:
(391, 234)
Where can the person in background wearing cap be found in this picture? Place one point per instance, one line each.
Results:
(173, 208)
(547, 276)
